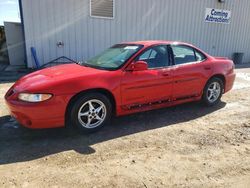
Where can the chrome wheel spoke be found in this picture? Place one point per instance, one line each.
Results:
(217, 91)
(98, 118)
(214, 86)
(99, 109)
(88, 121)
(91, 107)
(84, 114)
(210, 96)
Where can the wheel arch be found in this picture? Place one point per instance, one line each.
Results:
(221, 77)
(103, 91)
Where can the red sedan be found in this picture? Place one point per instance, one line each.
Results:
(126, 78)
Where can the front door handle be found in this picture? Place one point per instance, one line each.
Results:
(165, 74)
(207, 68)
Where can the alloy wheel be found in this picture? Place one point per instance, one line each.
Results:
(213, 92)
(92, 113)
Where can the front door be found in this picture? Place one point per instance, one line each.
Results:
(148, 86)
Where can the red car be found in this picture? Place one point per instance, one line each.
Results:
(126, 78)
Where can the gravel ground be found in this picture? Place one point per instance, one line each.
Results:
(184, 146)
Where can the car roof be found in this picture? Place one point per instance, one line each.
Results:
(155, 42)
(148, 43)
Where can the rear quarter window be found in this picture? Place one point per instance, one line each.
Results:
(199, 56)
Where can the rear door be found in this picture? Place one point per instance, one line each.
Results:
(190, 72)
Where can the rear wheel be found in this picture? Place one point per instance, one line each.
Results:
(213, 91)
(91, 112)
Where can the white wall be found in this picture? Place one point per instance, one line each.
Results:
(15, 43)
(49, 21)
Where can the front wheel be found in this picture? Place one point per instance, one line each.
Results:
(213, 91)
(91, 112)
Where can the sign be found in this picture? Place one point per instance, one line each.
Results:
(218, 16)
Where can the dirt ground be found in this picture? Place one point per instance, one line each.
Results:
(185, 146)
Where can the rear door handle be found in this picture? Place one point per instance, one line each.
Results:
(207, 68)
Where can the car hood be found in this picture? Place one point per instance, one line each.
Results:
(49, 76)
(64, 70)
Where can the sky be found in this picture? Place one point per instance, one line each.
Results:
(9, 11)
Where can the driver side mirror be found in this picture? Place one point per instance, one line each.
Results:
(138, 66)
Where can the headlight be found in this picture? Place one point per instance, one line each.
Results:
(34, 97)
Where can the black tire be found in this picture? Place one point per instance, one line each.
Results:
(81, 103)
(205, 96)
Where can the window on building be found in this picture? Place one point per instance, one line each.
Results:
(155, 57)
(183, 54)
(102, 8)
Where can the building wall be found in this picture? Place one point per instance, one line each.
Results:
(48, 21)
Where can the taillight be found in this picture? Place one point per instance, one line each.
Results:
(231, 68)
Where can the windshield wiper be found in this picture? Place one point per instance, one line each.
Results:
(83, 63)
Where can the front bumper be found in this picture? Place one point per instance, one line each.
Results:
(47, 114)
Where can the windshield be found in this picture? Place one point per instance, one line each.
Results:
(114, 57)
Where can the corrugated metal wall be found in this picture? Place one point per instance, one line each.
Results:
(48, 21)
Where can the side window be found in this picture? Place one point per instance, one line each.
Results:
(183, 54)
(199, 56)
(149, 54)
(155, 57)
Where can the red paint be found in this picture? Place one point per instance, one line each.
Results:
(151, 88)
